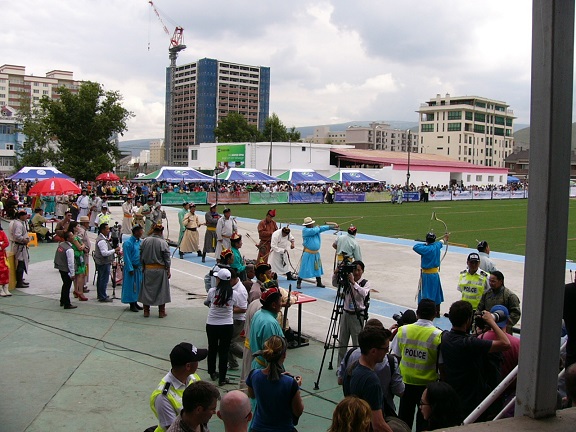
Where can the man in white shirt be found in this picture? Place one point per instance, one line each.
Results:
(83, 203)
(64, 262)
(103, 257)
(280, 242)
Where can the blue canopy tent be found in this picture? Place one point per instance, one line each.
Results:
(512, 179)
(38, 173)
(246, 175)
(176, 175)
(352, 177)
(297, 176)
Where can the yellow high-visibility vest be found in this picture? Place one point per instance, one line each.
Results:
(418, 346)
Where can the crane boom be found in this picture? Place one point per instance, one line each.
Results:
(177, 39)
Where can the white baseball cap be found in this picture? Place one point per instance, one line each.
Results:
(224, 274)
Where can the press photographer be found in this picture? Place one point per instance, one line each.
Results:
(464, 356)
(356, 291)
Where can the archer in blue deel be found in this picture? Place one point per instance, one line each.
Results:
(429, 285)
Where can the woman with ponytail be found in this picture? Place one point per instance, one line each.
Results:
(278, 401)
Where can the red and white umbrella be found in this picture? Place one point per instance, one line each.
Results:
(54, 186)
(107, 176)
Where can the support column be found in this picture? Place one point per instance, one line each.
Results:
(550, 142)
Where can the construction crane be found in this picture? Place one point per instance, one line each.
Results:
(176, 45)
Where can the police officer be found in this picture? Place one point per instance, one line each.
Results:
(166, 400)
(473, 281)
(417, 347)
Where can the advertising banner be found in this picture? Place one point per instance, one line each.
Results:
(500, 194)
(306, 197)
(482, 195)
(269, 197)
(519, 194)
(231, 156)
(459, 196)
(229, 197)
(175, 198)
(350, 197)
(440, 196)
(378, 196)
(411, 196)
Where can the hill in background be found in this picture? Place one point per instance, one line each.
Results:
(134, 147)
(522, 138)
(339, 127)
(521, 134)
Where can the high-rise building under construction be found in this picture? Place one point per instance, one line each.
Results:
(204, 93)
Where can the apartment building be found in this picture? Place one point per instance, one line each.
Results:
(380, 136)
(467, 128)
(16, 87)
(323, 135)
(15, 84)
(205, 92)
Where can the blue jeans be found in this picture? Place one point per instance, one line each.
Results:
(102, 280)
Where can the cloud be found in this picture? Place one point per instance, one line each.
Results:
(330, 60)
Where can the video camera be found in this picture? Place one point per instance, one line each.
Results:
(479, 322)
(407, 317)
(346, 266)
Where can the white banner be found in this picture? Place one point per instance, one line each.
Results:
(519, 194)
(482, 195)
(501, 194)
(440, 196)
(464, 195)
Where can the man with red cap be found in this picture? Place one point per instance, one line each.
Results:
(266, 228)
(281, 241)
(347, 244)
(264, 324)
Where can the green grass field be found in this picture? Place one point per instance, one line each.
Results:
(501, 223)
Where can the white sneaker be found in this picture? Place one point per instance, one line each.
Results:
(5, 292)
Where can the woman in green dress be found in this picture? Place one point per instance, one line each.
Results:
(79, 263)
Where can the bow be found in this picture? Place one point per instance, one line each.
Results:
(435, 218)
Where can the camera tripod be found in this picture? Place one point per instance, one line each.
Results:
(332, 336)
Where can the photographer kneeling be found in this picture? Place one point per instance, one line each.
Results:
(356, 290)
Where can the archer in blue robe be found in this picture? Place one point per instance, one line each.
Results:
(431, 288)
(132, 279)
(311, 265)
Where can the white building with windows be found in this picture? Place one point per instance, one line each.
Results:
(471, 129)
(391, 167)
(16, 87)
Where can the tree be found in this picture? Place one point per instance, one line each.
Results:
(293, 134)
(36, 149)
(275, 131)
(83, 127)
(235, 128)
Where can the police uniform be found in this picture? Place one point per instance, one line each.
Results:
(417, 345)
(166, 400)
(472, 286)
(171, 390)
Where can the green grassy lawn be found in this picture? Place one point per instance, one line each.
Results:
(501, 223)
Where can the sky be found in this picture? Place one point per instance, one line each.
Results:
(331, 61)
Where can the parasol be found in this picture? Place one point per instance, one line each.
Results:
(107, 176)
(54, 186)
